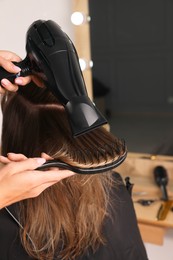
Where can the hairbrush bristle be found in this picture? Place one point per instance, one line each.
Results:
(38, 115)
(93, 149)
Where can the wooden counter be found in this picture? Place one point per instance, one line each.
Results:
(139, 167)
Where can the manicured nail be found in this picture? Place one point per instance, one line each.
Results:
(10, 154)
(18, 81)
(16, 69)
(5, 82)
(40, 160)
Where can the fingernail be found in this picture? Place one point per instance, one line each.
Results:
(40, 160)
(18, 81)
(9, 154)
(16, 69)
(4, 82)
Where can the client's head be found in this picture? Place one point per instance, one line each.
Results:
(70, 214)
(34, 122)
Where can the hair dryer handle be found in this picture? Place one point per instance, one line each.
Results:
(25, 71)
(7, 75)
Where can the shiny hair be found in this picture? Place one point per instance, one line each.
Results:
(67, 218)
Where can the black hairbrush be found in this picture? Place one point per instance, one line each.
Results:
(161, 179)
(80, 170)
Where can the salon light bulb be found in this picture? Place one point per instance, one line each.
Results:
(78, 18)
(83, 64)
(90, 63)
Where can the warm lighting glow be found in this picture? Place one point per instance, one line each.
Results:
(91, 64)
(84, 64)
(78, 18)
(153, 157)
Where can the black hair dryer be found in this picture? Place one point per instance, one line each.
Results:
(52, 57)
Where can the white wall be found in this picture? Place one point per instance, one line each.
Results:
(17, 15)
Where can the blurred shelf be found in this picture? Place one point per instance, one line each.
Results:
(139, 167)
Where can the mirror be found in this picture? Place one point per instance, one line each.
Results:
(132, 53)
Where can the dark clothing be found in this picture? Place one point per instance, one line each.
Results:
(123, 240)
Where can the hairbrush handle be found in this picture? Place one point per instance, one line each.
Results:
(25, 71)
(90, 170)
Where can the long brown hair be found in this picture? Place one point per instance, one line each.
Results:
(66, 219)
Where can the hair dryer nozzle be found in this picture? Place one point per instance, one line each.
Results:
(83, 115)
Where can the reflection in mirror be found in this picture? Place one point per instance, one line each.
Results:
(132, 53)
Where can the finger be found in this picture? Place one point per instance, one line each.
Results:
(28, 164)
(9, 66)
(22, 80)
(37, 181)
(46, 156)
(8, 85)
(4, 159)
(8, 55)
(54, 175)
(16, 157)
